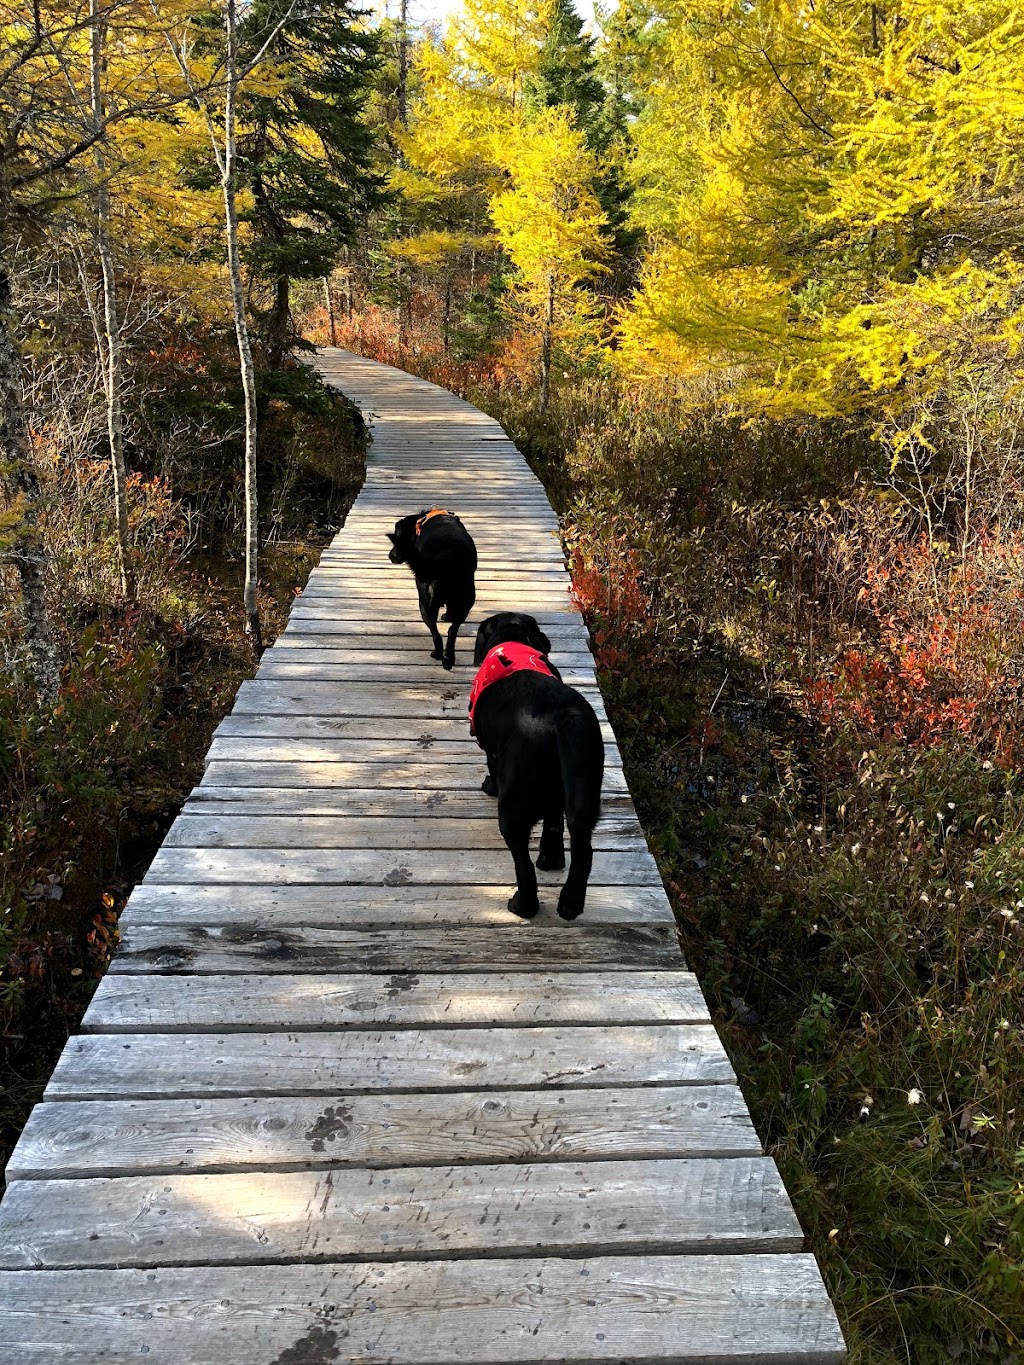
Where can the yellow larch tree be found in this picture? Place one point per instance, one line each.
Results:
(833, 200)
(552, 226)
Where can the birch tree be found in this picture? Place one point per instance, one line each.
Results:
(110, 337)
(224, 144)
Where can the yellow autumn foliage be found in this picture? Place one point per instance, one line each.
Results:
(833, 200)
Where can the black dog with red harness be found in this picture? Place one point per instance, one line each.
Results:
(440, 551)
(545, 757)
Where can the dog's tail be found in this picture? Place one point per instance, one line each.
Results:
(581, 756)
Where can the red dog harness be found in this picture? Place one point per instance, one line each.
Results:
(501, 662)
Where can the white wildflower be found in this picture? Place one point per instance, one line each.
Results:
(914, 1097)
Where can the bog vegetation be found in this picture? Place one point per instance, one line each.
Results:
(746, 282)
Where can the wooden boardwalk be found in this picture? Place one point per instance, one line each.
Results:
(332, 1101)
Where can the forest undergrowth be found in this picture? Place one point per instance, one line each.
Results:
(89, 789)
(827, 772)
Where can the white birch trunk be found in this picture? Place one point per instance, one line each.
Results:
(110, 351)
(252, 617)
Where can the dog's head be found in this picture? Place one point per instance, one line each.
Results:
(506, 627)
(403, 538)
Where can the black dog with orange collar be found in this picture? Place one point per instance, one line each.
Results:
(441, 554)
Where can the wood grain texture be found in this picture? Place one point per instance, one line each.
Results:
(158, 1004)
(345, 1213)
(118, 1066)
(431, 773)
(161, 1137)
(219, 949)
(452, 730)
(425, 830)
(379, 867)
(360, 803)
(270, 749)
(681, 1310)
(398, 907)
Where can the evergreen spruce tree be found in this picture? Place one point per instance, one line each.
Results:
(305, 153)
(567, 74)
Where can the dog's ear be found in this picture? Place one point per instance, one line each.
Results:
(392, 537)
(484, 635)
(532, 633)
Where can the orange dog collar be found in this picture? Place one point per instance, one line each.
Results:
(434, 512)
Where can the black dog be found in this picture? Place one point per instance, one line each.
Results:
(440, 552)
(545, 757)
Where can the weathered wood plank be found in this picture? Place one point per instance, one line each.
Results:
(381, 906)
(174, 1004)
(217, 949)
(377, 867)
(682, 1310)
(280, 1217)
(393, 802)
(427, 774)
(306, 649)
(452, 731)
(619, 832)
(403, 630)
(366, 699)
(425, 670)
(193, 1065)
(157, 1137)
(256, 749)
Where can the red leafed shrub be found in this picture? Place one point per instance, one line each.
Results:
(942, 652)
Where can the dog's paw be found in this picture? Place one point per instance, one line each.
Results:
(523, 908)
(448, 662)
(549, 860)
(436, 653)
(488, 786)
(569, 907)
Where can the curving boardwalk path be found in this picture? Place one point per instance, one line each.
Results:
(332, 1102)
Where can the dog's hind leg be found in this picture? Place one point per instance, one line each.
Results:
(428, 611)
(581, 860)
(489, 786)
(551, 855)
(515, 830)
(448, 661)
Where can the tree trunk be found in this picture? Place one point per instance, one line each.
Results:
(280, 322)
(349, 300)
(446, 320)
(403, 64)
(113, 370)
(330, 311)
(22, 489)
(546, 344)
(252, 616)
